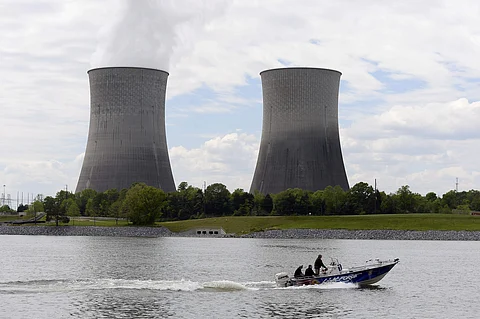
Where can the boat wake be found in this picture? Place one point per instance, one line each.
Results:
(66, 285)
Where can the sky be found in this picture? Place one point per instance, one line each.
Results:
(409, 103)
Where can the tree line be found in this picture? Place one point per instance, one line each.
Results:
(143, 205)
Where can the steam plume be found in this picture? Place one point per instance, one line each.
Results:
(147, 32)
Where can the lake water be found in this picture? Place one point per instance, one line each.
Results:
(111, 277)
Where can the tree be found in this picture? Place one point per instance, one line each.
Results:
(185, 203)
(52, 208)
(292, 202)
(475, 204)
(112, 195)
(284, 203)
(72, 208)
(435, 206)
(63, 198)
(431, 196)
(89, 209)
(267, 204)
(242, 202)
(473, 197)
(258, 200)
(143, 204)
(217, 200)
(237, 199)
(100, 204)
(361, 198)
(335, 200)
(406, 199)
(450, 199)
(173, 206)
(182, 186)
(115, 210)
(192, 202)
(318, 203)
(82, 199)
(388, 204)
(464, 208)
(303, 205)
(35, 207)
(21, 208)
(196, 199)
(6, 209)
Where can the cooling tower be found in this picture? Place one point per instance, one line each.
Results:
(300, 145)
(126, 139)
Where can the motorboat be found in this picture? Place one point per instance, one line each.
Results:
(369, 273)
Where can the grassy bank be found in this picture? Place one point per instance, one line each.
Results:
(243, 225)
(77, 221)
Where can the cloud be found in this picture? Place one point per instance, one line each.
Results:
(229, 159)
(425, 146)
(456, 120)
(35, 177)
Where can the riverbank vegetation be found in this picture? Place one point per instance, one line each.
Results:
(245, 225)
(146, 205)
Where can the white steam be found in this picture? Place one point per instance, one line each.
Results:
(147, 33)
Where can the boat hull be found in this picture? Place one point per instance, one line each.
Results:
(363, 275)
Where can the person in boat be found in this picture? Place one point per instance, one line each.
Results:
(298, 272)
(319, 264)
(309, 271)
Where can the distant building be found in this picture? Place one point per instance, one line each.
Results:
(300, 144)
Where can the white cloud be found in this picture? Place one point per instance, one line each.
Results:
(456, 120)
(424, 146)
(228, 159)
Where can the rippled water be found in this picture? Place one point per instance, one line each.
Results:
(107, 277)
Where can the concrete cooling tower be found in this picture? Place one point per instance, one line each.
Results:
(126, 139)
(300, 145)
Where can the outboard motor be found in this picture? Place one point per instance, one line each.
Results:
(282, 279)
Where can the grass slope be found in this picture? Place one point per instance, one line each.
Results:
(244, 225)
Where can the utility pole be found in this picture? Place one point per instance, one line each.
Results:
(66, 198)
(456, 192)
(204, 198)
(34, 214)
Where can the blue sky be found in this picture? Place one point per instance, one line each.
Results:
(409, 96)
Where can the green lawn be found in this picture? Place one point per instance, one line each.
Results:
(9, 218)
(76, 222)
(243, 225)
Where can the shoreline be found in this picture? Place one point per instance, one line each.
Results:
(378, 234)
